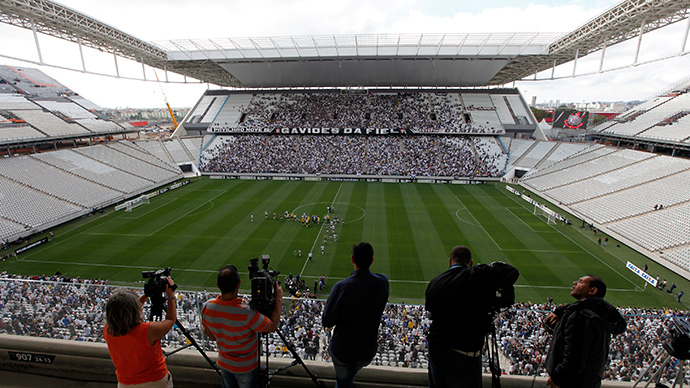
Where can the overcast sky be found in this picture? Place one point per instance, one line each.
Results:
(159, 20)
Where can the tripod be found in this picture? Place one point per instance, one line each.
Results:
(492, 355)
(665, 356)
(192, 342)
(266, 374)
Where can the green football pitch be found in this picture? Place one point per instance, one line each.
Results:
(199, 227)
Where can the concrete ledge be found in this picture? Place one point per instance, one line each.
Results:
(88, 365)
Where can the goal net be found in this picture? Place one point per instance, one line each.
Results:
(546, 213)
(133, 203)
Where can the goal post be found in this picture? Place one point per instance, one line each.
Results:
(543, 211)
(133, 203)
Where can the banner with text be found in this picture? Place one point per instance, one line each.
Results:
(644, 275)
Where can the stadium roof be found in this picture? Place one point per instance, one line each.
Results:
(354, 60)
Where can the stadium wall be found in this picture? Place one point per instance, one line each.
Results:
(83, 364)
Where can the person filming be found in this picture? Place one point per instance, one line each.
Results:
(134, 345)
(460, 302)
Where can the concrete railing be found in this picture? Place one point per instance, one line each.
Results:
(85, 364)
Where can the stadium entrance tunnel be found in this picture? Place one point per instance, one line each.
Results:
(35, 362)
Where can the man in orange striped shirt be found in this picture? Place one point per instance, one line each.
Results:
(235, 328)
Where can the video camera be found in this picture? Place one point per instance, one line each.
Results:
(504, 296)
(155, 290)
(263, 285)
(679, 346)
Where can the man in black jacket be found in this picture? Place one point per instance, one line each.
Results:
(582, 333)
(460, 302)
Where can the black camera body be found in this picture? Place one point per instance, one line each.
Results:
(679, 346)
(154, 289)
(504, 295)
(263, 284)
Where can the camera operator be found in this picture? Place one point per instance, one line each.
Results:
(460, 303)
(235, 329)
(134, 345)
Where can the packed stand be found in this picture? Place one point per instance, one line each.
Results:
(413, 111)
(73, 309)
(415, 156)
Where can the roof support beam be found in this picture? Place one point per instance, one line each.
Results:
(38, 46)
(639, 41)
(685, 36)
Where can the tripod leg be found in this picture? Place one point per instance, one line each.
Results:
(298, 360)
(196, 345)
(648, 371)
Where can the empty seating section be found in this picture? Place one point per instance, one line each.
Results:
(97, 125)
(535, 154)
(95, 171)
(19, 133)
(519, 108)
(157, 149)
(29, 207)
(84, 103)
(502, 109)
(132, 150)
(659, 229)
(679, 257)
(196, 116)
(10, 228)
(647, 170)
(586, 155)
(124, 162)
(67, 108)
(15, 101)
(48, 179)
(663, 108)
(678, 131)
(481, 109)
(48, 123)
(517, 148)
(177, 151)
(193, 145)
(560, 152)
(609, 162)
(638, 199)
(230, 113)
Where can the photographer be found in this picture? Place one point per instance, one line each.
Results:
(460, 303)
(235, 329)
(134, 345)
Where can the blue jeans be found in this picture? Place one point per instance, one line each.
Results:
(345, 372)
(448, 368)
(239, 380)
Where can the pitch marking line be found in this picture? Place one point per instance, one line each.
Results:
(319, 234)
(526, 224)
(151, 209)
(478, 223)
(571, 240)
(467, 210)
(162, 227)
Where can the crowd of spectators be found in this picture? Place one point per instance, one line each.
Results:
(407, 155)
(413, 111)
(73, 308)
